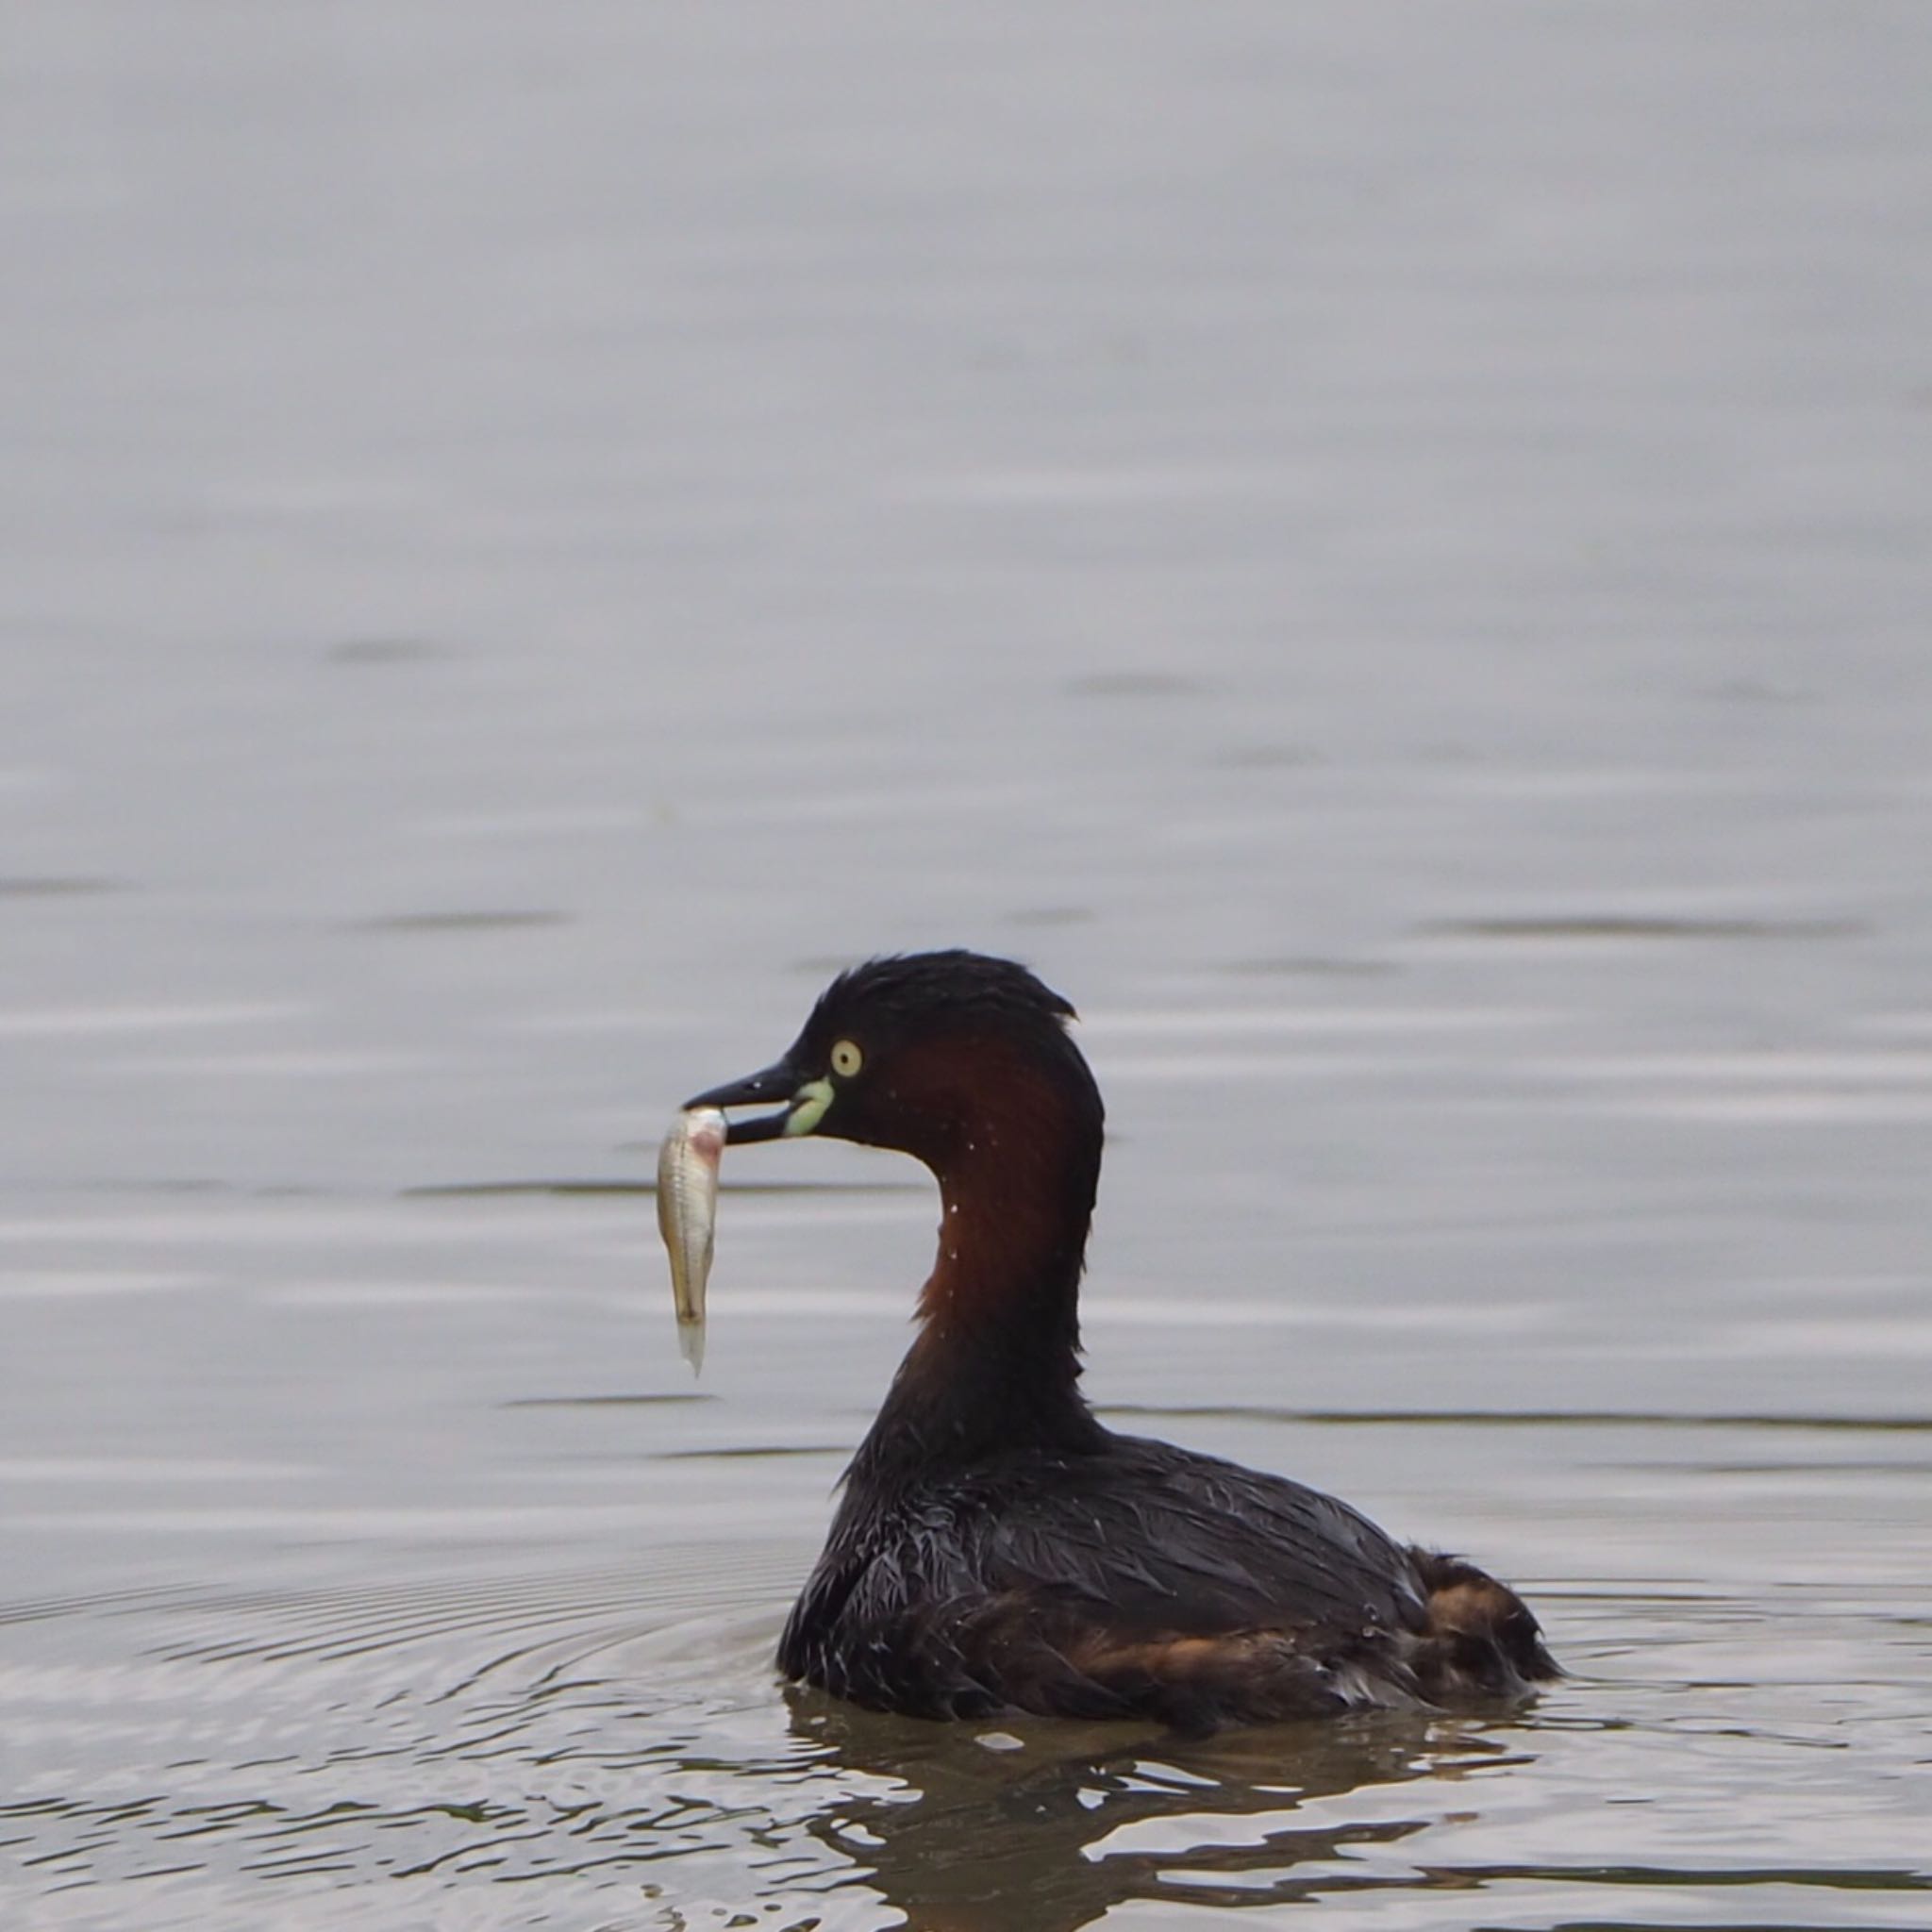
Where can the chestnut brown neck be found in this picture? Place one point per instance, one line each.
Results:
(995, 1364)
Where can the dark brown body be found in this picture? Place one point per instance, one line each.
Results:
(1130, 1578)
(996, 1548)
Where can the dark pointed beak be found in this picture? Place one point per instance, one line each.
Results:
(779, 1082)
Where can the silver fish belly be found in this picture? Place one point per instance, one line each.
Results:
(686, 1217)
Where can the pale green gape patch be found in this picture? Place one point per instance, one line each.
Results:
(809, 1103)
(808, 1107)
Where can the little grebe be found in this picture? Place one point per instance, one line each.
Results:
(996, 1547)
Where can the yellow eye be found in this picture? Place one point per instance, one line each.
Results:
(846, 1060)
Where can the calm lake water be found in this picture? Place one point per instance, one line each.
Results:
(1388, 551)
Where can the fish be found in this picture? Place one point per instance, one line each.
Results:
(686, 1218)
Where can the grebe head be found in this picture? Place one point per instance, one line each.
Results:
(928, 1053)
(963, 1062)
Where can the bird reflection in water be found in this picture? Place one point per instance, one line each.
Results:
(1036, 1829)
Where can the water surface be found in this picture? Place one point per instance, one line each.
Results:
(1385, 550)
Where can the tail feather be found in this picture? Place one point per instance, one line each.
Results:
(1479, 1638)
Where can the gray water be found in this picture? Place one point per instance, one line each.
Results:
(1384, 549)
